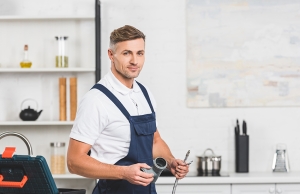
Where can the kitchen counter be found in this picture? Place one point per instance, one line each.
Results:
(236, 178)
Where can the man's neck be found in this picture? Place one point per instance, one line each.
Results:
(128, 82)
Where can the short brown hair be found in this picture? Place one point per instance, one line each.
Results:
(125, 33)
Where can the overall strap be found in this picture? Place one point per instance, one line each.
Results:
(146, 95)
(113, 98)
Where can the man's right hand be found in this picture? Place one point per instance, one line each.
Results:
(134, 175)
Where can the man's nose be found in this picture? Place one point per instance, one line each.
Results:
(134, 59)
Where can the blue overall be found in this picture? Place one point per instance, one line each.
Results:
(142, 128)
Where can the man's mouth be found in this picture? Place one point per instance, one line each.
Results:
(133, 68)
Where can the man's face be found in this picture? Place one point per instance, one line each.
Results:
(127, 59)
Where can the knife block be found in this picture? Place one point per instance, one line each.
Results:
(242, 153)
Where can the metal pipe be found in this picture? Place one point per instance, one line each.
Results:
(176, 181)
(26, 141)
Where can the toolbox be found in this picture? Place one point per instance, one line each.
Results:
(26, 174)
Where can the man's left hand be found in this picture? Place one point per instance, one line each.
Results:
(178, 168)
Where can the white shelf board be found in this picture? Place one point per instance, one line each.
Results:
(45, 70)
(27, 17)
(68, 176)
(22, 123)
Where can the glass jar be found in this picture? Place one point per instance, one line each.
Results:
(61, 58)
(57, 160)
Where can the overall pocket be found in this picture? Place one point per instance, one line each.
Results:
(144, 137)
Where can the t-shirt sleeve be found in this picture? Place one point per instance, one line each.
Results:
(90, 119)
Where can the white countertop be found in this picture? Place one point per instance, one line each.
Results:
(236, 178)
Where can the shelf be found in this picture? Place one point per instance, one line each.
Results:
(20, 17)
(45, 70)
(68, 176)
(22, 123)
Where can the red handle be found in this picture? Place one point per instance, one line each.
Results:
(8, 152)
(13, 184)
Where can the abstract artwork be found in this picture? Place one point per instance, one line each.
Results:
(243, 53)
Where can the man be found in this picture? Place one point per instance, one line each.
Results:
(116, 121)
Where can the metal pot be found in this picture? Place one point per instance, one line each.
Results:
(209, 164)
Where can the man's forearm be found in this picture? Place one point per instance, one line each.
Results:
(89, 167)
(161, 149)
(80, 163)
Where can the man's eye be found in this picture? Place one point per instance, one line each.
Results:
(126, 53)
(141, 54)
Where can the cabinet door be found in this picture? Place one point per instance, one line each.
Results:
(253, 188)
(287, 188)
(194, 189)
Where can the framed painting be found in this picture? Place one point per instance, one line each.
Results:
(243, 53)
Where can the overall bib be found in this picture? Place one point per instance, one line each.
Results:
(142, 129)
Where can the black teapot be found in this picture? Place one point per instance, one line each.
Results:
(29, 114)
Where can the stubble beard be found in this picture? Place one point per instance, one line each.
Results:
(127, 75)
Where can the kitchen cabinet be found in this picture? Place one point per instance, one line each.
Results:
(195, 189)
(235, 183)
(230, 188)
(265, 188)
(253, 188)
(287, 188)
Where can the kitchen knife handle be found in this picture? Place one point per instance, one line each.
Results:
(237, 131)
(244, 128)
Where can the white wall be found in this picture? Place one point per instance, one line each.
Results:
(196, 129)
(184, 128)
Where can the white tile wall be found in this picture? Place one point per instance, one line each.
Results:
(184, 128)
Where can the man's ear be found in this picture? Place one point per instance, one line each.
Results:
(110, 54)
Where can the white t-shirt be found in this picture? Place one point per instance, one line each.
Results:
(101, 124)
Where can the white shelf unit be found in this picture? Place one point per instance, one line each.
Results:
(37, 123)
(39, 32)
(35, 30)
